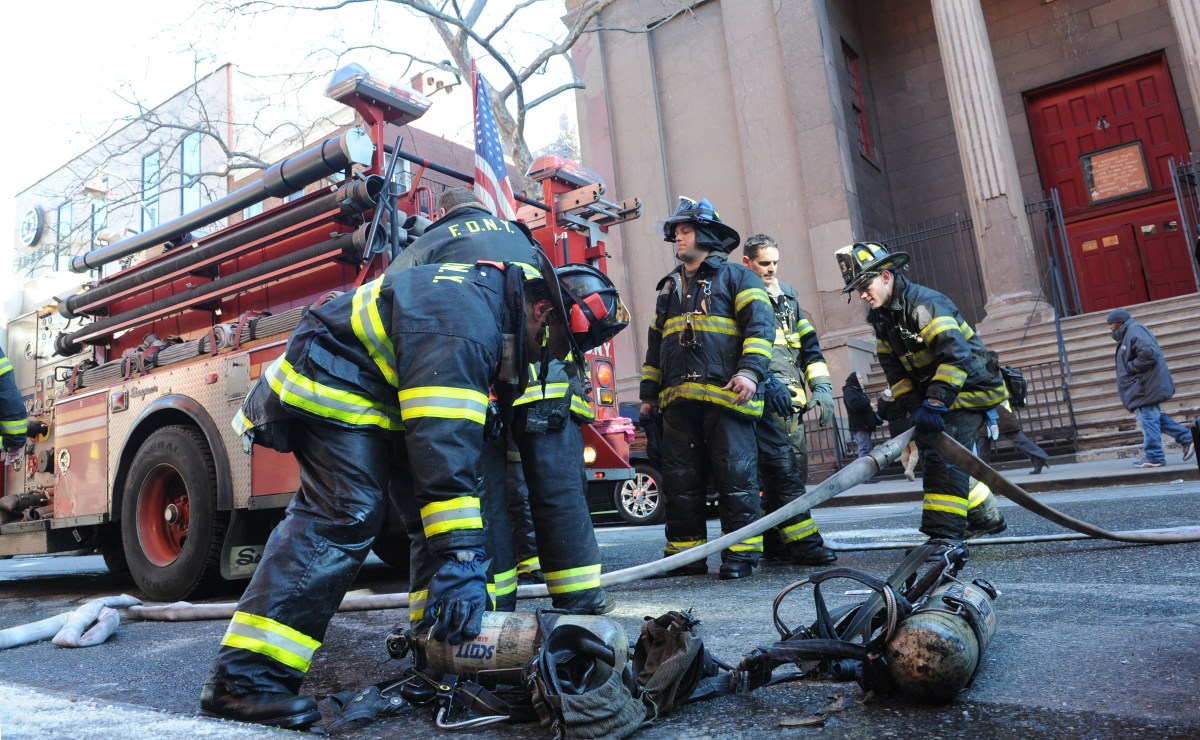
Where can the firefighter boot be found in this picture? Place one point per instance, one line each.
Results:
(983, 515)
(733, 569)
(810, 551)
(277, 710)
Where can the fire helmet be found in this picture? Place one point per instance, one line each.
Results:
(594, 311)
(711, 231)
(863, 261)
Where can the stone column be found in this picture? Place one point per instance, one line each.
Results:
(1006, 254)
(1186, 14)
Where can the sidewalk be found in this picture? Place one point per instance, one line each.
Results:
(1062, 474)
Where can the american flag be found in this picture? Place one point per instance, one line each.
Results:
(491, 174)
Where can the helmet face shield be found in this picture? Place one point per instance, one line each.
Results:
(595, 311)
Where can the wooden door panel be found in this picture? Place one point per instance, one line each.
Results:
(1108, 264)
(1164, 252)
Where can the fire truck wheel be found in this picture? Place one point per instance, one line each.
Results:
(639, 500)
(113, 552)
(169, 520)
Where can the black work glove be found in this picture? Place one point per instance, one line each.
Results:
(776, 397)
(927, 418)
(457, 596)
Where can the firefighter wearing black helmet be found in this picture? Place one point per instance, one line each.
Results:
(554, 523)
(709, 348)
(939, 370)
(383, 392)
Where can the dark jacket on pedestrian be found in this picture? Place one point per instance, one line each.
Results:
(859, 413)
(1143, 378)
(895, 414)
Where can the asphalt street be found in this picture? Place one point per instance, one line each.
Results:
(1094, 639)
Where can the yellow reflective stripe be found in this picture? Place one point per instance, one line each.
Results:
(699, 322)
(529, 565)
(780, 339)
(573, 579)
(743, 299)
(799, 530)
(580, 407)
(443, 402)
(978, 494)
(921, 359)
(553, 390)
(240, 423)
(904, 385)
(368, 327)
(14, 428)
(950, 375)
(679, 546)
(505, 583)
(448, 516)
(272, 639)
(416, 605)
(710, 394)
(750, 544)
(651, 373)
(804, 328)
(985, 399)
(756, 346)
(937, 326)
(966, 330)
(882, 347)
(308, 395)
(5, 366)
(945, 502)
(815, 372)
(528, 271)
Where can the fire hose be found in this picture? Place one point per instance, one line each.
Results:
(860, 470)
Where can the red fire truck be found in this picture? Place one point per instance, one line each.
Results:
(137, 376)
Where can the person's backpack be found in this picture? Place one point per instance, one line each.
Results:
(1017, 385)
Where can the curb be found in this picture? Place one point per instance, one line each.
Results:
(862, 495)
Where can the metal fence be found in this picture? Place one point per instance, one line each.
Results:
(1187, 194)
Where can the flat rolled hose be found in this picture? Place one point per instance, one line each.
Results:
(965, 460)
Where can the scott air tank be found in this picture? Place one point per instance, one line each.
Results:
(936, 651)
(507, 641)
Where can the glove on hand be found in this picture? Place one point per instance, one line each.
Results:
(776, 397)
(823, 397)
(457, 597)
(993, 425)
(927, 418)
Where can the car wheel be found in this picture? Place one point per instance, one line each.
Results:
(639, 500)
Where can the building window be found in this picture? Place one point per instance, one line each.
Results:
(857, 105)
(189, 172)
(252, 210)
(62, 232)
(402, 175)
(151, 171)
(99, 221)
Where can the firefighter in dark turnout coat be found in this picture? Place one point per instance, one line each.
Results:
(555, 521)
(797, 363)
(938, 369)
(384, 392)
(13, 421)
(709, 348)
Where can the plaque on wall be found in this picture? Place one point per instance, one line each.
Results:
(1116, 172)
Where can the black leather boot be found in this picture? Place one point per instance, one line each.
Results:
(277, 710)
(732, 569)
(810, 551)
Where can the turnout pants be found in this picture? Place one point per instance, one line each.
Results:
(783, 472)
(701, 442)
(946, 487)
(312, 557)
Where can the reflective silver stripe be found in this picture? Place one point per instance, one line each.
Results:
(368, 327)
(506, 582)
(573, 579)
(446, 516)
(304, 393)
(416, 605)
(272, 639)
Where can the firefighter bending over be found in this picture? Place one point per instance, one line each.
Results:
(709, 348)
(938, 369)
(384, 392)
(796, 359)
(544, 435)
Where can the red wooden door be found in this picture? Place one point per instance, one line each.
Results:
(1104, 140)
(1108, 258)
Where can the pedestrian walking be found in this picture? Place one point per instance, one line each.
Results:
(1143, 383)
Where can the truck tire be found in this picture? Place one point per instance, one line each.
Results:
(639, 500)
(170, 525)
